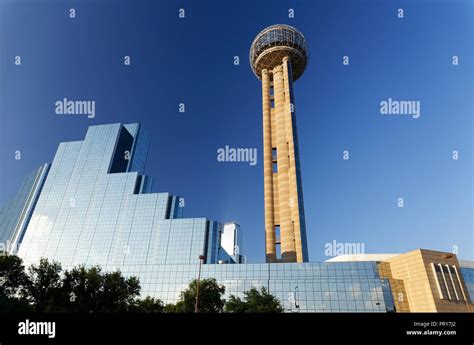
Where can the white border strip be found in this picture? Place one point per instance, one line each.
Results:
(452, 282)
(460, 283)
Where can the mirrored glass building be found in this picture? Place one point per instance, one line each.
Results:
(94, 205)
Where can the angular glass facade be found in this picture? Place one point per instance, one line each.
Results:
(16, 214)
(94, 206)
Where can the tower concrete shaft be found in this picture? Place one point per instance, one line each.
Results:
(285, 229)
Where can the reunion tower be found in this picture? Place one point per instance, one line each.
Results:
(278, 56)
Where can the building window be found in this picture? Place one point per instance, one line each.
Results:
(278, 251)
(275, 167)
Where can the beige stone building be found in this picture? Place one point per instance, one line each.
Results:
(422, 280)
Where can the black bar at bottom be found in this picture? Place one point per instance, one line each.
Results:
(342, 328)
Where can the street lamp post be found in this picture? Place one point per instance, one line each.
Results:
(196, 306)
(297, 306)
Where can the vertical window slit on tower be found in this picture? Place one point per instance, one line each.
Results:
(272, 96)
(275, 167)
(274, 153)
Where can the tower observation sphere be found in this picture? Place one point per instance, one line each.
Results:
(274, 43)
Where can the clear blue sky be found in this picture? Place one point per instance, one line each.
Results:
(337, 107)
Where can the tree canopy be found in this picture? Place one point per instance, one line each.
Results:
(149, 305)
(12, 284)
(46, 288)
(255, 301)
(43, 285)
(91, 290)
(210, 297)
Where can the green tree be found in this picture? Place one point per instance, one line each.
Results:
(12, 284)
(46, 289)
(81, 289)
(43, 286)
(255, 301)
(91, 290)
(210, 297)
(12, 275)
(118, 293)
(170, 308)
(149, 305)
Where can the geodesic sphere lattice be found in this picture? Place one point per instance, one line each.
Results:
(274, 43)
